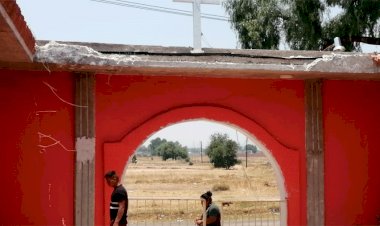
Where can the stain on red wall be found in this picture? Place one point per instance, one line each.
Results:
(37, 164)
(352, 144)
(131, 108)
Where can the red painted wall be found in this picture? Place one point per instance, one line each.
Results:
(130, 108)
(36, 184)
(352, 144)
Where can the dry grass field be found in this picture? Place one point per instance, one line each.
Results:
(161, 189)
(152, 177)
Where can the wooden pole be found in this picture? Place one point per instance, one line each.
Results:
(246, 152)
(201, 153)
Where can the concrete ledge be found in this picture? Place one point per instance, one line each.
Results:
(179, 61)
(122, 59)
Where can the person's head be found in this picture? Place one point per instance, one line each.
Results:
(111, 178)
(206, 197)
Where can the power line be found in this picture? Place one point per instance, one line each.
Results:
(205, 40)
(173, 9)
(138, 7)
(159, 9)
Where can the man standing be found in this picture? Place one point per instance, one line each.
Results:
(119, 200)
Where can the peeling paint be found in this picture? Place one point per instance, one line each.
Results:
(58, 53)
(63, 221)
(325, 58)
(54, 90)
(292, 66)
(376, 58)
(47, 111)
(53, 142)
(85, 149)
(49, 192)
(335, 62)
(299, 57)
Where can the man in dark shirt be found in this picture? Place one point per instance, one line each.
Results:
(119, 200)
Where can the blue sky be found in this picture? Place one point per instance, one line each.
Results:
(91, 21)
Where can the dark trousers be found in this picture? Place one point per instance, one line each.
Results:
(120, 224)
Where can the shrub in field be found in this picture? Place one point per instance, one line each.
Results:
(222, 151)
(172, 150)
(134, 159)
(221, 187)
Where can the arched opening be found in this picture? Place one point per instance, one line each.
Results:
(117, 154)
(164, 191)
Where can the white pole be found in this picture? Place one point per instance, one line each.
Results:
(197, 31)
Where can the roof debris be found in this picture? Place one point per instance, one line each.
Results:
(125, 59)
(376, 58)
(60, 53)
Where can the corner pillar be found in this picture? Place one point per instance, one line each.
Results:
(85, 148)
(314, 153)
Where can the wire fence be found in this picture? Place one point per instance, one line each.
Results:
(167, 212)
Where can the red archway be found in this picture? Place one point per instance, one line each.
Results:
(284, 159)
(253, 86)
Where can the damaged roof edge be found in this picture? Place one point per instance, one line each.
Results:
(18, 42)
(155, 50)
(122, 59)
(376, 59)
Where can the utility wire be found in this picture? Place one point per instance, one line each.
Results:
(159, 9)
(205, 40)
(138, 7)
(171, 9)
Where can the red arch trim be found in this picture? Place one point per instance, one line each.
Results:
(197, 111)
(117, 154)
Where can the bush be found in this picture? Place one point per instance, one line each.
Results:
(134, 159)
(222, 151)
(172, 150)
(220, 187)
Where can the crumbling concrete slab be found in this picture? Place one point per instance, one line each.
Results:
(123, 59)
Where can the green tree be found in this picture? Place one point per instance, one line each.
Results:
(154, 144)
(172, 150)
(142, 150)
(252, 148)
(305, 24)
(255, 20)
(222, 151)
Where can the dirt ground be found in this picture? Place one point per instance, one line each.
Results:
(152, 177)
